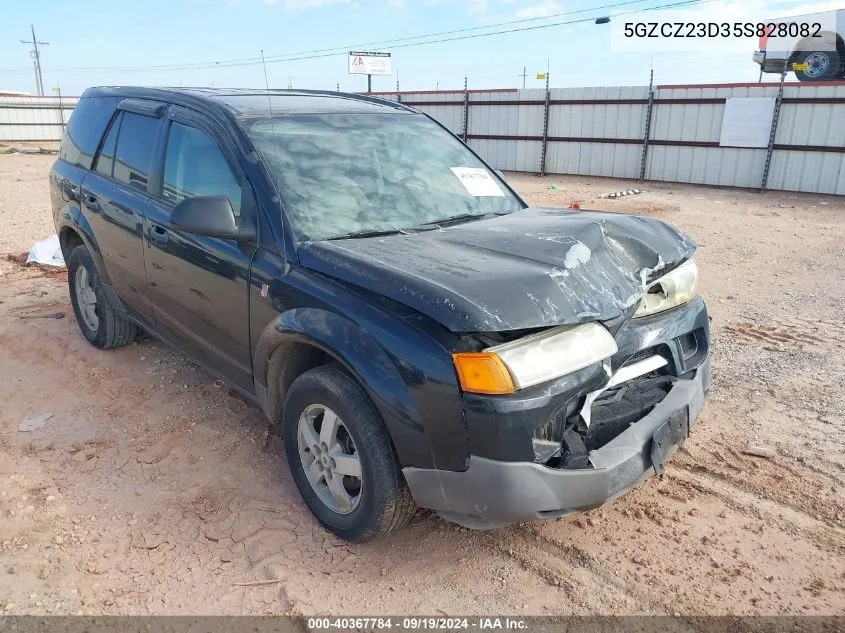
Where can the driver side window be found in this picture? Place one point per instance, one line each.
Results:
(195, 166)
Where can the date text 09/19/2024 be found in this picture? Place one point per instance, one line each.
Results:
(418, 623)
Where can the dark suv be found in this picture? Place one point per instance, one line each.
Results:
(419, 334)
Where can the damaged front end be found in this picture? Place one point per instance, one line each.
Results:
(580, 440)
(571, 415)
(589, 411)
(622, 381)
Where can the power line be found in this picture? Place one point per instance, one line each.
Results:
(226, 63)
(392, 44)
(36, 59)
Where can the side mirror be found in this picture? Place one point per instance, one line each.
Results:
(209, 215)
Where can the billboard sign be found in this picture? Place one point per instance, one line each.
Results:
(369, 63)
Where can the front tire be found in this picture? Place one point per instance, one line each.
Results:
(99, 322)
(341, 457)
(823, 66)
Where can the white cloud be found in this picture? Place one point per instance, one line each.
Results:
(305, 5)
(477, 6)
(540, 10)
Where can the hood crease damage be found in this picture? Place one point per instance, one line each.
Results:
(532, 268)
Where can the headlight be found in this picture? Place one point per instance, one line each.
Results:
(672, 289)
(534, 359)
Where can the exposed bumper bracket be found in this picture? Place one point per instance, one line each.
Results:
(495, 493)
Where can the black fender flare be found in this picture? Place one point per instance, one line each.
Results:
(72, 219)
(358, 352)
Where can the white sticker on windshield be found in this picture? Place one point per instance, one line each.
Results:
(478, 182)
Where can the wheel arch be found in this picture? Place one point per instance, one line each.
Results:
(69, 239)
(304, 338)
(810, 44)
(77, 232)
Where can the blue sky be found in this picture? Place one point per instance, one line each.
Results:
(101, 42)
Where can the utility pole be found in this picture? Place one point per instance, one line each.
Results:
(36, 60)
(524, 76)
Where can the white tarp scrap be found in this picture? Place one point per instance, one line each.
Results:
(47, 253)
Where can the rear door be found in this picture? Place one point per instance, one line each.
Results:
(198, 284)
(115, 194)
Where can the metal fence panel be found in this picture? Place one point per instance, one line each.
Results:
(34, 118)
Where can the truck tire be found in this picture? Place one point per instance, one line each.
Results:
(341, 457)
(100, 323)
(823, 66)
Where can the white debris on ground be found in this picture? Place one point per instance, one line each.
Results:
(47, 253)
(622, 194)
(33, 424)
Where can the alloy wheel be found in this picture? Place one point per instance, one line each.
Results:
(329, 459)
(86, 298)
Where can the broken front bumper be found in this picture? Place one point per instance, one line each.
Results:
(494, 493)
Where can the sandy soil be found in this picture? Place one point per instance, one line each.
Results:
(153, 490)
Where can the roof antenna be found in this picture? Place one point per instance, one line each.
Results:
(270, 108)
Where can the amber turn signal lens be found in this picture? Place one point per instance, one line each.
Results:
(482, 373)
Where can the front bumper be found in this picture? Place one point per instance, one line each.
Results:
(493, 493)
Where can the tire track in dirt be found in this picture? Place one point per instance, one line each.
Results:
(587, 590)
(784, 333)
(795, 519)
(592, 585)
(774, 480)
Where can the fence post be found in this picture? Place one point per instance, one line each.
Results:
(465, 135)
(775, 117)
(647, 126)
(545, 129)
(61, 111)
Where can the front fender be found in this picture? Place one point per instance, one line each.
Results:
(396, 387)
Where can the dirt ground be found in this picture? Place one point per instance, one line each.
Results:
(152, 489)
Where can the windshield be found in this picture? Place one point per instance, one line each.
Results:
(344, 174)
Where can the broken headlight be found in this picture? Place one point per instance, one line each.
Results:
(534, 359)
(672, 289)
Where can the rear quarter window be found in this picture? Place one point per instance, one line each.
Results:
(85, 129)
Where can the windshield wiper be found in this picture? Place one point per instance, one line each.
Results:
(457, 219)
(378, 233)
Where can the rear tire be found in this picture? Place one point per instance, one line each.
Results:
(355, 508)
(99, 322)
(824, 66)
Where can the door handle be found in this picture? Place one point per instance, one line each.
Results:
(158, 235)
(92, 202)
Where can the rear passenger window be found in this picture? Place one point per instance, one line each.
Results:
(135, 149)
(106, 159)
(196, 166)
(85, 129)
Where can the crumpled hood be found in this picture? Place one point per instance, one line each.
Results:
(532, 268)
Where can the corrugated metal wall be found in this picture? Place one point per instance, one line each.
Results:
(600, 131)
(34, 118)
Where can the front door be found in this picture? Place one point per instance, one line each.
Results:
(199, 285)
